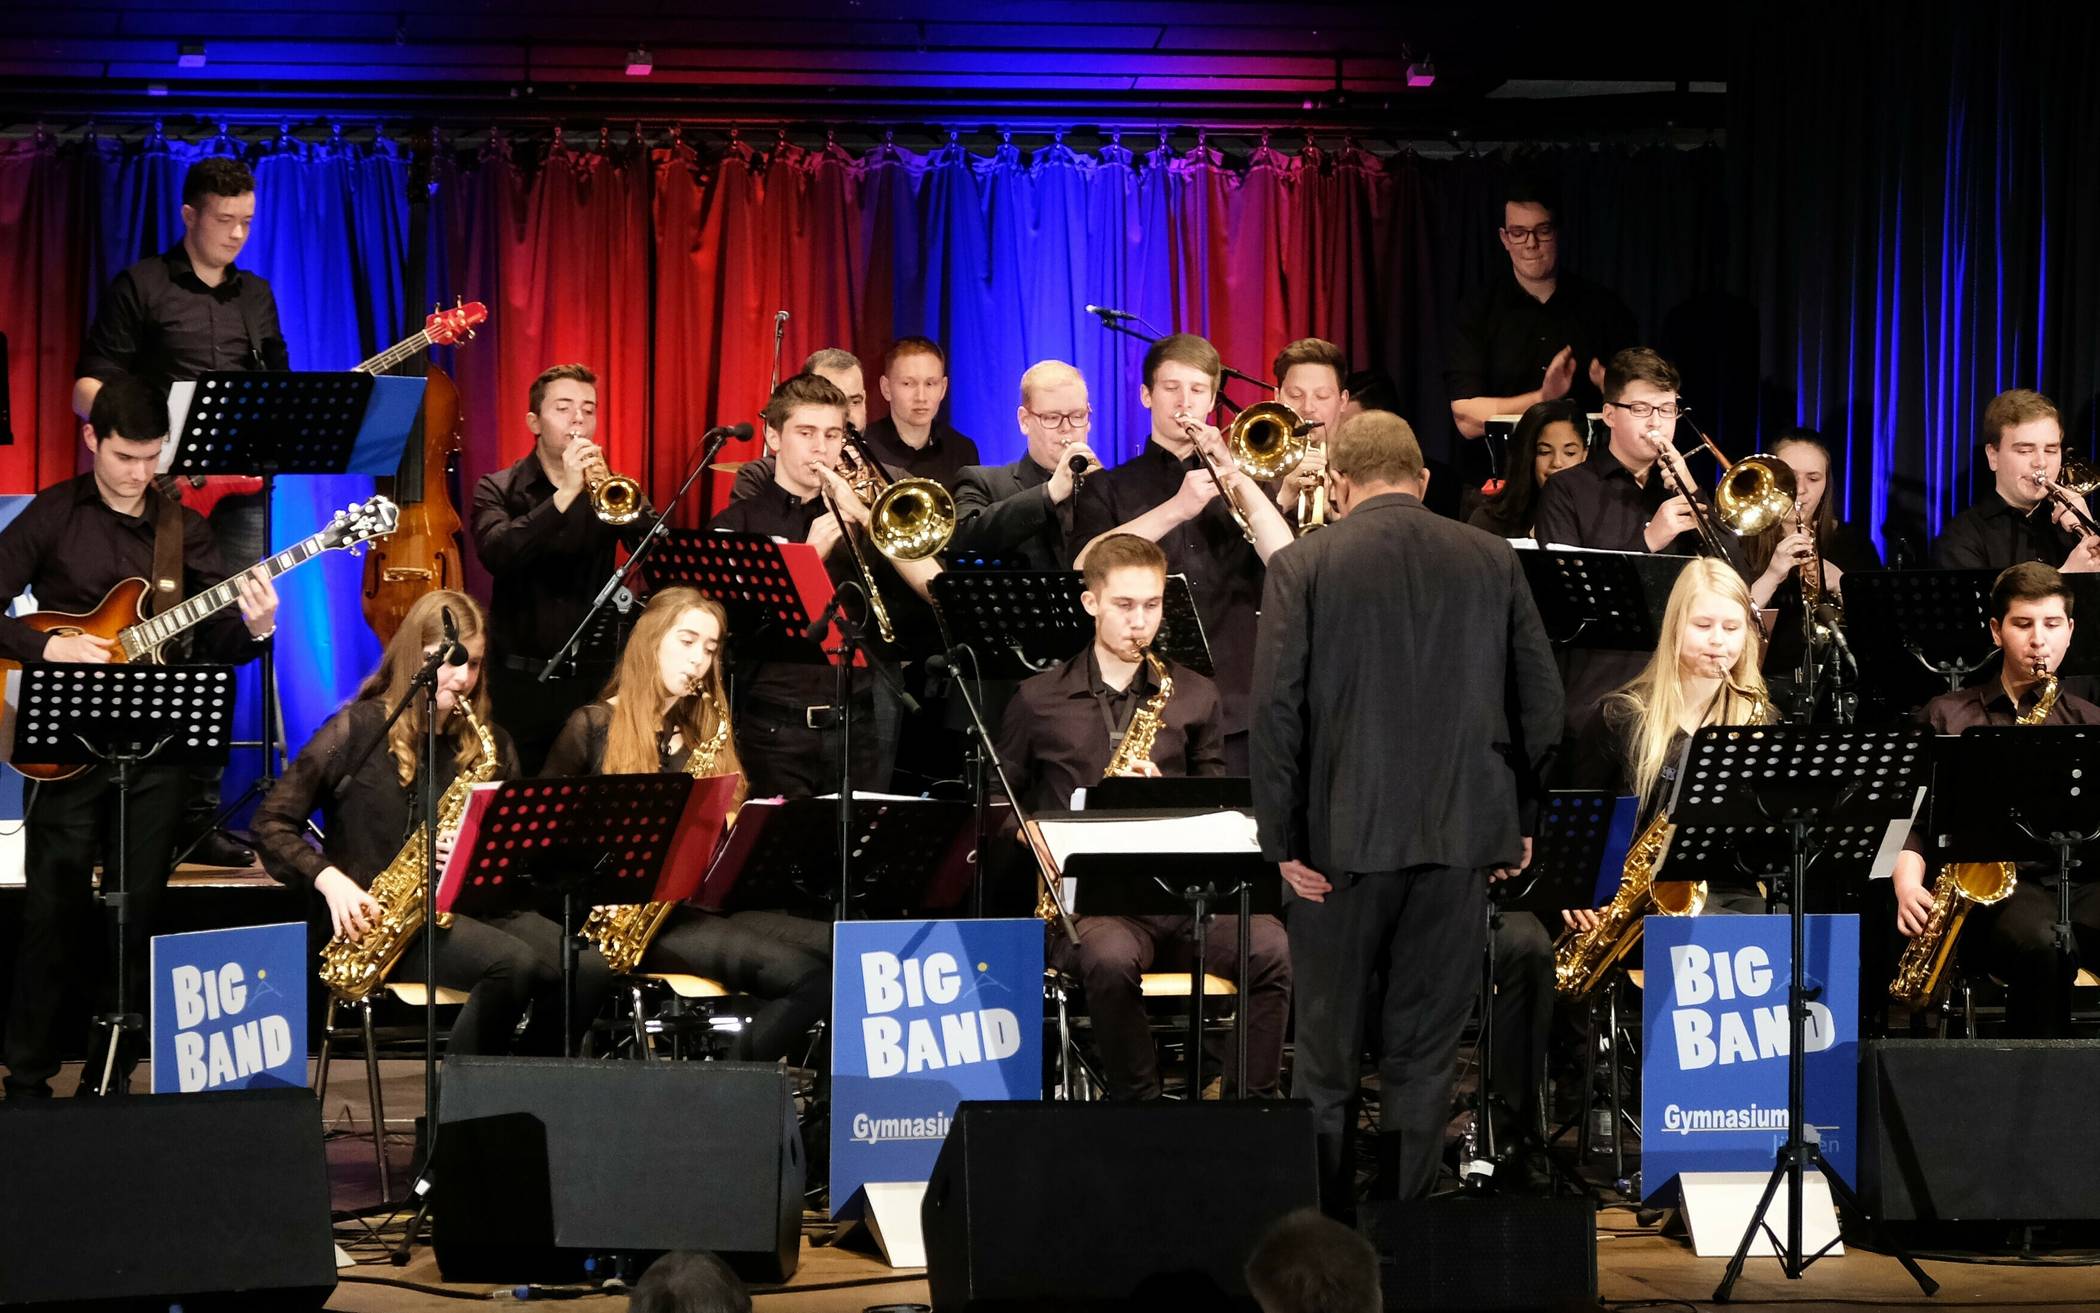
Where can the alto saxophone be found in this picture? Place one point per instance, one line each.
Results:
(1581, 958)
(1135, 746)
(353, 970)
(1921, 972)
(624, 931)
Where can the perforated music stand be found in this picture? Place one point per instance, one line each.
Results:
(1835, 790)
(2021, 793)
(1919, 632)
(1022, 622)
(598, 839)
(771, 590)
(910, 856)
(265, 424)
(120, 715)
(1569, 848)
(1601, 599)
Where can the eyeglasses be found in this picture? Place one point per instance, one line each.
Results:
(1053, 420)
(1544, 232)
(1643, 409)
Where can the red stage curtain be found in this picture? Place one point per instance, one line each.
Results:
(46, 204)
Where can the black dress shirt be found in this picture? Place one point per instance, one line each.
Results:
(1993, 534)
(70, 548)
(1005, 511)
(1505, 337)
(368, 816)
(941, 459)
(160, 322)
(1600, 503)
(546, 564)
(1224, 571)
(1064, 724)
(1989, 704)
(1846, 548)
(1406, 697)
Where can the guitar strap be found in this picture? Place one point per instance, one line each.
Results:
(167, 554)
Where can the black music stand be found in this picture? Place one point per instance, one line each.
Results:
(1601, 599)
(2021, 793)
(1904, 622)
(913, 856)
(1024, 621)
(247, 424)
(1821, 793)
(121, 716)
(598, 839)
(1177, 884)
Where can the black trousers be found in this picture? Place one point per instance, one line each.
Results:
(2016, 942)
(784, 758)
(70, 825)
(784, 960)
(1524, 999)
(506, 962)
(1115, 950)
(1425, 927)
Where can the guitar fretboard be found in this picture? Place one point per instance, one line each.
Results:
(395, 354)
(152, 633)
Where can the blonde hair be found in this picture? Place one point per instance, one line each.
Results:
(1654, 702)
(422, 628)
(1047, 374)
(631, 736)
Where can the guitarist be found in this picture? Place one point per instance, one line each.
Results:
(74, 542)
(175, 316)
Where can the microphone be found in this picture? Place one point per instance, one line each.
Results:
(780, 317)
(1108, 315)
(1827, 621)
(822, 624)
(455, 652)
(953, 661)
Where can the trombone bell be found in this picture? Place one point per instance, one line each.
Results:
(912, 519)
(1754, 494)
(1267, 440)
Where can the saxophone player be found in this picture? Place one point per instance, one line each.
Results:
(2015, 939)
(367, 802)
(1061, 732)
(666, 709)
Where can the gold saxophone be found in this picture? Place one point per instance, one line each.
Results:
(1921, 973)
(353, 970)
(624, 931)
(1581, 958)
(1135, 746)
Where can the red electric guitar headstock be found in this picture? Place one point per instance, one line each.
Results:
(451, 327)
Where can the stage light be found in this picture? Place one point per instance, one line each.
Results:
(189, 54)
(640, 63)
(1422, 73)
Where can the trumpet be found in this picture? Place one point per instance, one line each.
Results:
(615, 498)
(2077, 478)
(1265, 441)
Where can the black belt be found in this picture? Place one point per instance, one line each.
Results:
(815, 716)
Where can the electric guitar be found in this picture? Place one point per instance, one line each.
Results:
(120, 617)
(203, 492)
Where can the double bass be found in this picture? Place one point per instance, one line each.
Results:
(424, 553)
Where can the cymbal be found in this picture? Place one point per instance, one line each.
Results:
(728, 466)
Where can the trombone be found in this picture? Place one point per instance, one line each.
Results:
(1751, 495)
(1265, 441)
(2078, 478)
(909, 519)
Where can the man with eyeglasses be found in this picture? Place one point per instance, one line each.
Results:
(1538, 335)
(1022, 513)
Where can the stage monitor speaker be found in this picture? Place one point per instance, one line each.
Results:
(542, 1163)
(1056, 1206)
(1979, 1130)
(213, 1201)
(1485, 1252)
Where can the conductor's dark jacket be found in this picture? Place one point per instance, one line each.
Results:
(1405, 695)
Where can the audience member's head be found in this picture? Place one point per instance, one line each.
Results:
(689, 1281)
(1309, 1263)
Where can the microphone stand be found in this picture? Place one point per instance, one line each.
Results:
(616, 586)
(988, 752)
(1117, 321)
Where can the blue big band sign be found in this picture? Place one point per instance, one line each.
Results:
(229, 1009)
(926, 1014)
(1714, 1075)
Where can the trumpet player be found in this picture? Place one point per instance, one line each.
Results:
(1310, 375)
(548, 552)
(1063, 731)
(1022, 513)
(2016, 519)
(366, 793)
(786, 717)
(666, 703)
(2014, 940)
(1166, 494)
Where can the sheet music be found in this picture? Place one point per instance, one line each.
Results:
(1231, 832)
(179, 396)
